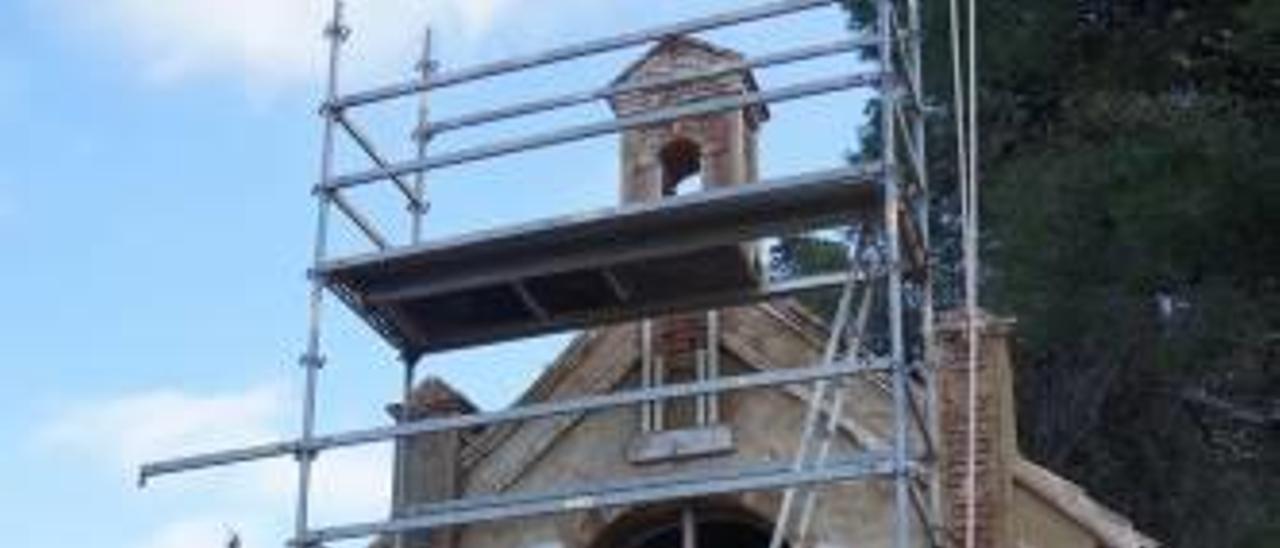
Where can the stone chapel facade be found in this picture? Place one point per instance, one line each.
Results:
(1020, 505)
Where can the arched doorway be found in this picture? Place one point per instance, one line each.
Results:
(691, 526)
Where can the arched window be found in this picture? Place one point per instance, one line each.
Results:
(698, 526)
(681, 167)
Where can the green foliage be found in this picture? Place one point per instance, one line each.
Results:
(1138, 204)
(1132, 199)
(1131, 206)
(796, 256)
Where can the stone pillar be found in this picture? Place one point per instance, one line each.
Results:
(996, 431)
(641, 171)
(431, 464)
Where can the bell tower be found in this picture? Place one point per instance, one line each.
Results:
(694, 153)
(689, 154)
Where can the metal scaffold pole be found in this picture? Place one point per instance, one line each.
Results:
(893, 242)
(817, 399)
(417, 207)
(312, 361)
(836, 414)
(915, 42)
(422, 136)
(430, 296)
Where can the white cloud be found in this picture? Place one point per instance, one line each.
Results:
(267, 43)
(349, 483)
(254, 499)
(149, 425)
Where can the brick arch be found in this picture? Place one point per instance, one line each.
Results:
(723, 158)
(721, 521)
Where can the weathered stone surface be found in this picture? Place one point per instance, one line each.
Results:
(669, 445)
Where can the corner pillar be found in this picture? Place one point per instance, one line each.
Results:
(432, 461)
(995, 435)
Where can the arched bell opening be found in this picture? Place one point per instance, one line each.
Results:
(681, 162)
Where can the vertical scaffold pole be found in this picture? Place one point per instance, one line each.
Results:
(646, 373)
(888, 104)
(400, 490)
(312, 361)
(713, 363)
(919, 118)
(422, 136)
(417, 211)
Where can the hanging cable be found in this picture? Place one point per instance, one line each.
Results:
(971, 285)
(966, 118)
(971, 280)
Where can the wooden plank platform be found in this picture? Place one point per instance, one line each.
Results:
(624, 263)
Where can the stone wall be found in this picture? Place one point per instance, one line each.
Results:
(765, 425)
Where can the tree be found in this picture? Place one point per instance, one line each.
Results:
(1131, 159)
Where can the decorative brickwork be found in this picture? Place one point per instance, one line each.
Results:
(995, 440)
(677, 343)
(679, 336)
(725, 141)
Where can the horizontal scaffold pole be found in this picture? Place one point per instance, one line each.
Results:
(568, 100)
(594, 47)
(721, 480)
(548, 409)
(587, 131)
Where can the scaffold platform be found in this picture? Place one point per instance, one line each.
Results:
(579, 271)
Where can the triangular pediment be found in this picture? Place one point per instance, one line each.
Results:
(677, 53)
(677, 56)
(761, 337)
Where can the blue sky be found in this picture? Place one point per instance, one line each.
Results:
(155, 224)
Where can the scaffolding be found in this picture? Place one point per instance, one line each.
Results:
(506, 284)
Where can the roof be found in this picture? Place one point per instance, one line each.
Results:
(691, 43)
(672, 42)
(1112, 529)
(434, 396)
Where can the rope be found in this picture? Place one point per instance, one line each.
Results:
(966, 116)
(971, 281)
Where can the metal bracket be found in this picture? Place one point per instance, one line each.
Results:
(337, 31)
(305, 451)
(315, 361)
(423, 133)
